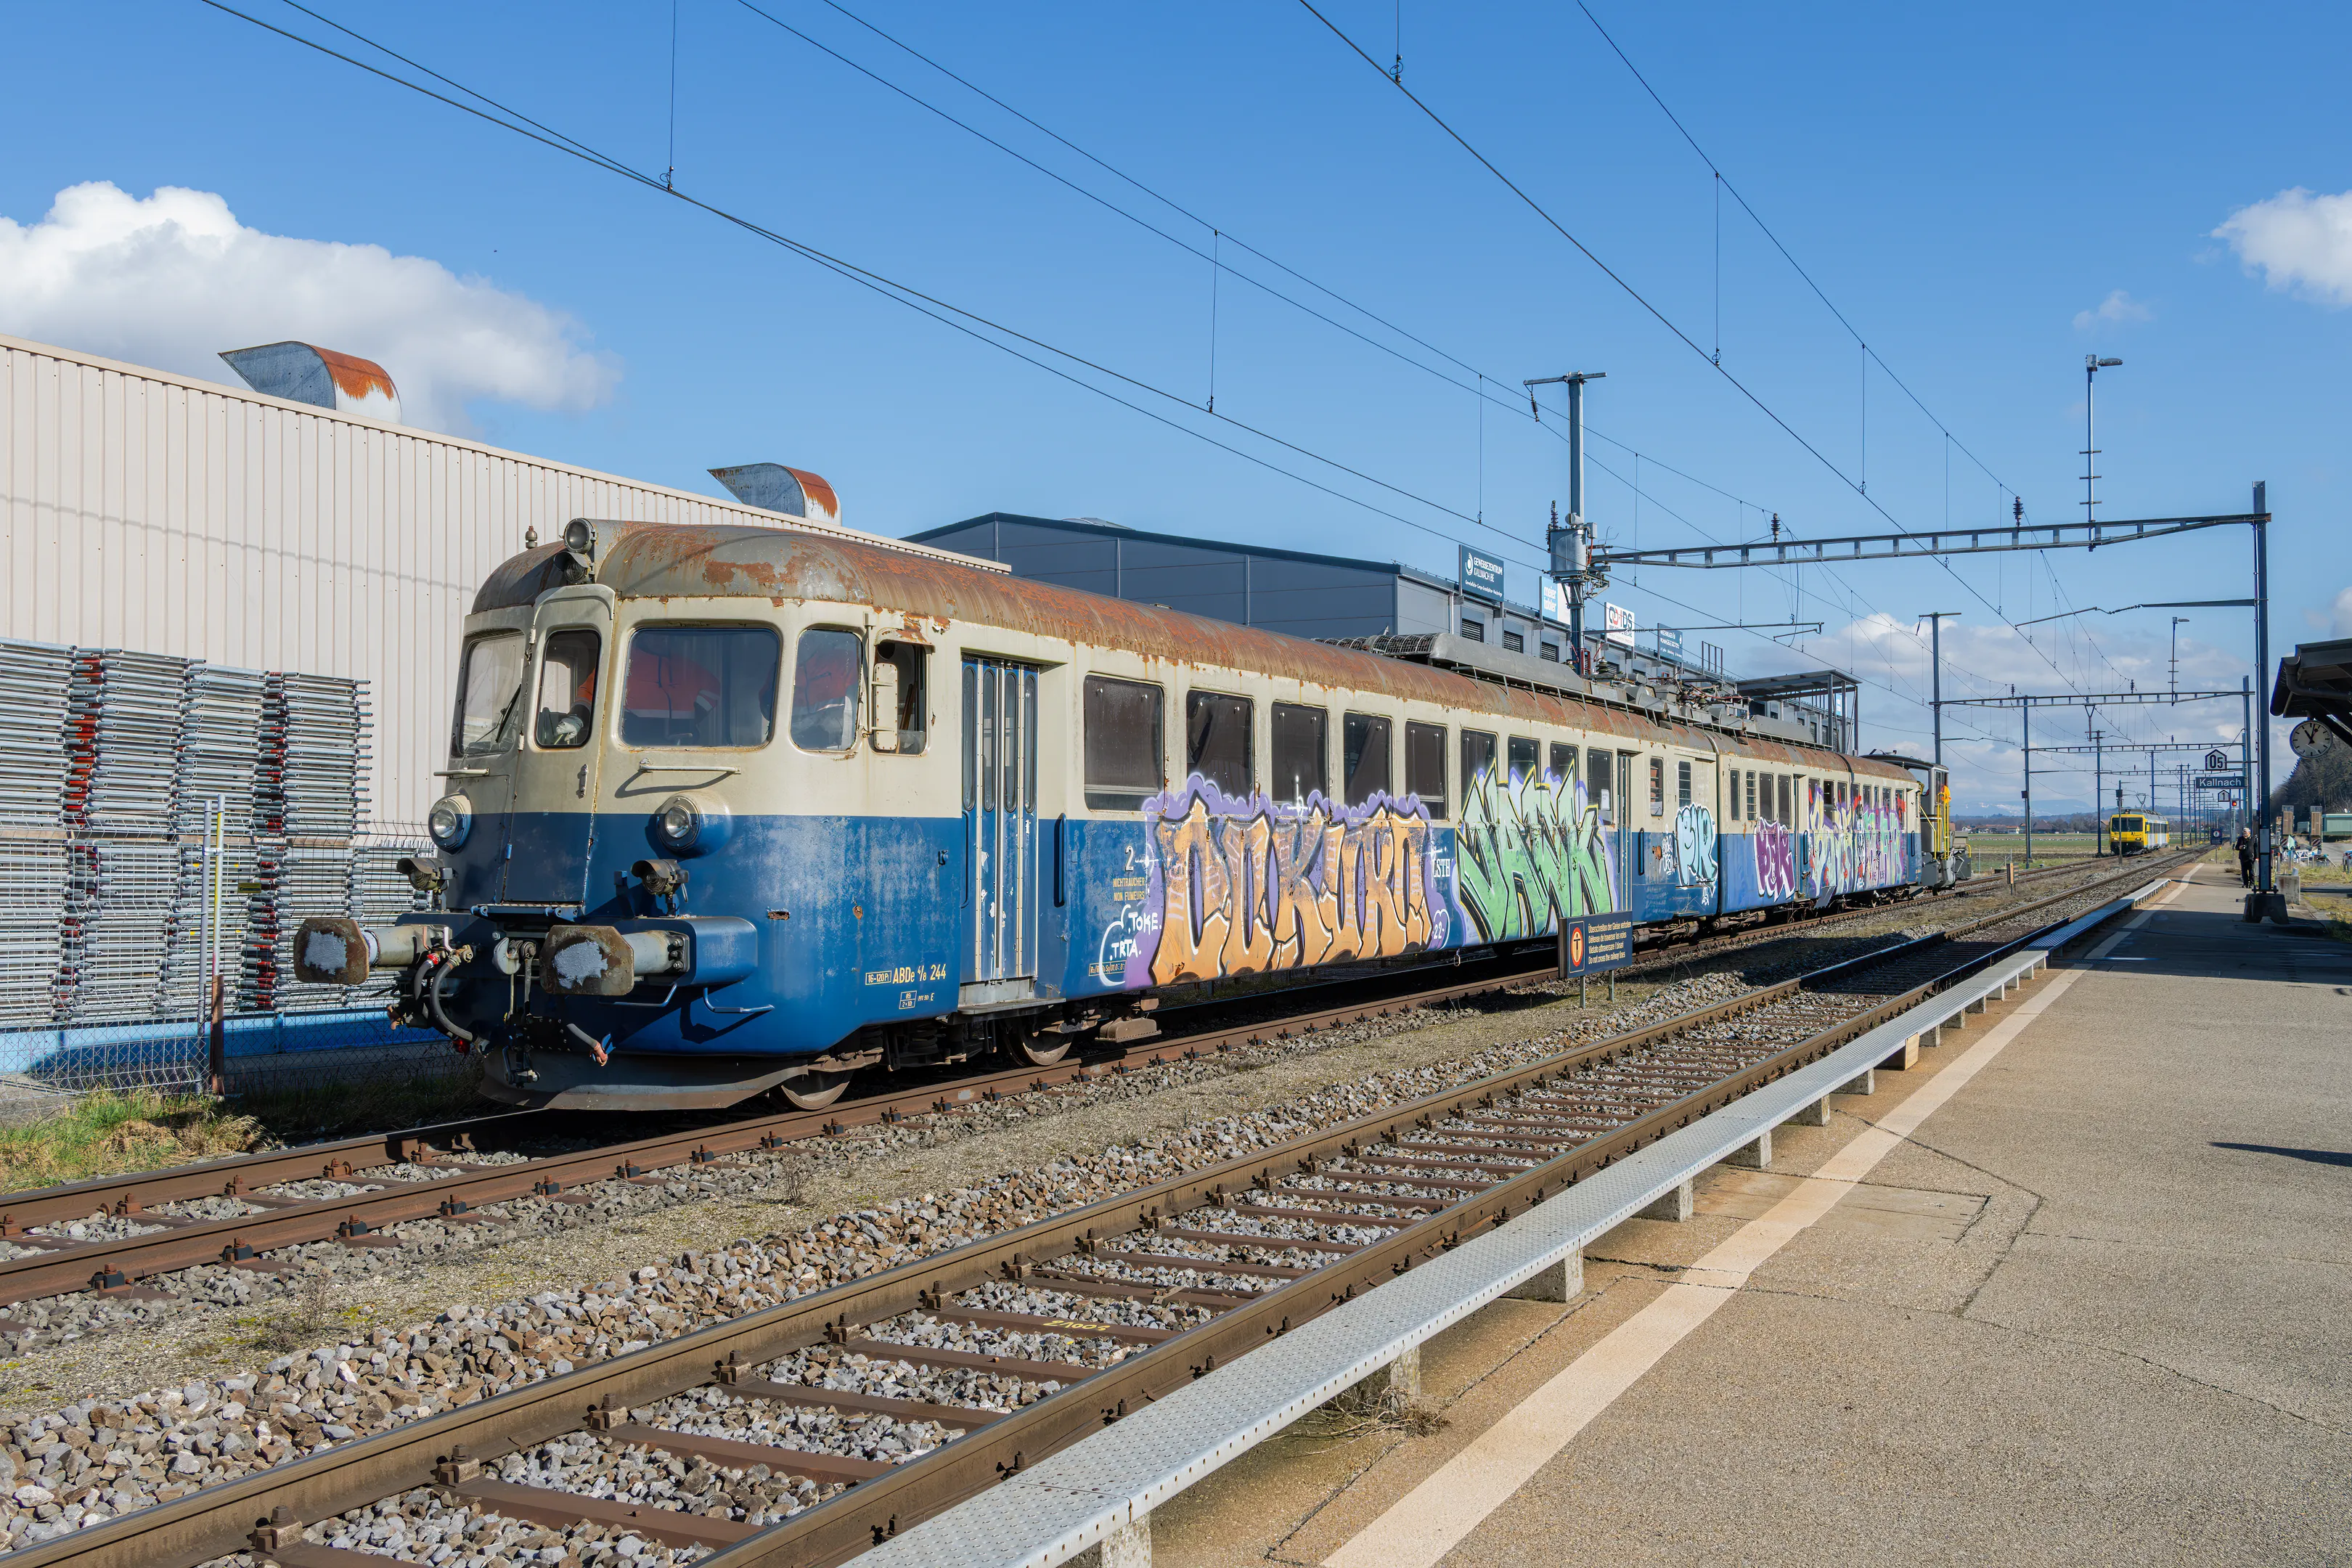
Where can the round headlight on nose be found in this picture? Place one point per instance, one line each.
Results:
(450, 820)
(678, 823)
(690, 824)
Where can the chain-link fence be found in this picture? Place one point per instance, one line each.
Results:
(165, 826)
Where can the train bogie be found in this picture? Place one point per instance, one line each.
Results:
(736, 808)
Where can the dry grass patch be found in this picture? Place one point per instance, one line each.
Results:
(109, 1132)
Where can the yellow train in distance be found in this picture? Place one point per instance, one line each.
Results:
(2136, 832)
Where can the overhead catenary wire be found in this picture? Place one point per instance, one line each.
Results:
(1658, 315)
(927, 304)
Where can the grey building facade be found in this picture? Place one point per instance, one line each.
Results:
(1285, 590)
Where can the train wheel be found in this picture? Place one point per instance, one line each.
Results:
(1037, 1047)
(813, 1091)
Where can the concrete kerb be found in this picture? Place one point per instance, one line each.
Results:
(1101, 1493)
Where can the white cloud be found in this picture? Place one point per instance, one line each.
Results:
(2300, 242)
(2340, 615)
(174, 280)
(2117, 307)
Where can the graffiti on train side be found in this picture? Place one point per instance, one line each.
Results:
(1529, 852)
(1858, 847)
(1246, 887)
(1694, 847)
(1776, 862)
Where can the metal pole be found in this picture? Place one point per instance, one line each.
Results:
(2246, 734)
(1579, 538)
(2026, 709)
(2262, 669)
(2098, 795)
(205, 901)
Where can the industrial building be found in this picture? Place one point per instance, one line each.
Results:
(295, 528)
(1387, 606)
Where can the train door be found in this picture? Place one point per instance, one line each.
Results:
(1000, 824)
(1626, 841)
(551, 827)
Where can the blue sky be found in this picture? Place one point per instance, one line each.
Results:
(1985, 197)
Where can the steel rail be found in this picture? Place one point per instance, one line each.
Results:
(337, 1159)
(215, 1521)
(118, 1263)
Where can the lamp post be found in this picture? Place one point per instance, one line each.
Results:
(2092, 366)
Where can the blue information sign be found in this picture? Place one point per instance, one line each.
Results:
(1482, 574)
(1591, 943)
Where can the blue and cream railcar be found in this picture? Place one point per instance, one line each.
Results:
(732, 808)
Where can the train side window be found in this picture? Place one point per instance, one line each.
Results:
(1563, 765)
(1364, 757)
(901, 670)
(1125, 749)
(567, 690)
(1787, 802)
(1657, 786)
(1598, 789)
(1682, 784)
(827, 683)
(1218, 745)
(1521, 753)
(489, 695)
(1302, 753)
(715, 686)
(1477, 758)
(1424, 766)
(1731, 794)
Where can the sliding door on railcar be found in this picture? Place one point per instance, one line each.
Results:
(1000, 820)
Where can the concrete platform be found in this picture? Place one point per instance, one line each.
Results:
(2094, 1305)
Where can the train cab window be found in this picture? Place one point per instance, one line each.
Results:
(1218, 745)
(1424, 766)
(1600, 788)
(567, 690)
(1522, 753)
(900, 676)
(1364, 747)
(715, 686)
(1302, 753)
(1682, 784)
(1125, 750)
(1657, 786)
(827, 679)
(1563, 765)
(1477, 758)
(489, 695)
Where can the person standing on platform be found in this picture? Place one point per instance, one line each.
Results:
(2245, 857)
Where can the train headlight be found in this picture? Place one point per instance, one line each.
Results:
(690, 824)
(450, 820)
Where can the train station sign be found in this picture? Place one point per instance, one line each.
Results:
(2221, 781)
(1591, 943)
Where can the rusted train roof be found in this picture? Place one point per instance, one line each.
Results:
(661, 561)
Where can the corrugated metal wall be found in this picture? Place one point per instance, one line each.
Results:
(156, 513)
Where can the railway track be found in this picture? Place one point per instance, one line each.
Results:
(239, 1212)
(804, 1433)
